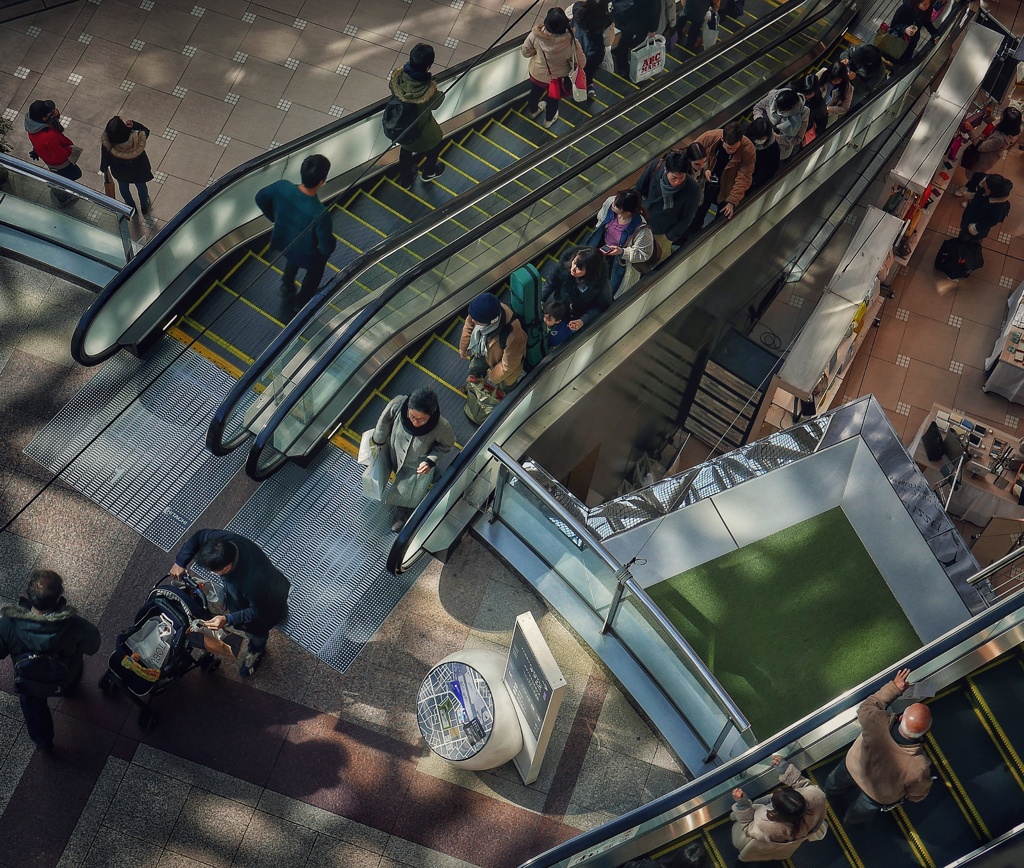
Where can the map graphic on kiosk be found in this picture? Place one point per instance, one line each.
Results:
(455, 711)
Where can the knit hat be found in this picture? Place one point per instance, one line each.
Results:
(485, 307)
(117, 131)
(41, 109)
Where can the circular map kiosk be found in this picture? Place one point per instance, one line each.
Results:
(465, 713)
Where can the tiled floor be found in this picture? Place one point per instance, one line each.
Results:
(219, 84)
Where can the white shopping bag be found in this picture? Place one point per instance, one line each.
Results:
(709, 30)
(647, 59)
(366, 448)
(376, 475)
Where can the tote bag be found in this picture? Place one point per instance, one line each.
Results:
(376, 475)
(647, 59)
(709, 30)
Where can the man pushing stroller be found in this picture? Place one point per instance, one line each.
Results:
(255, 591)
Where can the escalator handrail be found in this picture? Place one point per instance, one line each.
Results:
(397, 240)
(482, 439)
(181, 218)
(355, 326)
(765, 749)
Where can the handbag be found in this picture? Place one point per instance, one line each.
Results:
(970, 157)
(481, 399)
(108, 185)
(647, 59)
(891, 45)
(376, 475)
(556, 90)
(577, 78)
(709, 29)
(366, 448)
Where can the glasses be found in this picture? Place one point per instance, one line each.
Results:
(418, 419)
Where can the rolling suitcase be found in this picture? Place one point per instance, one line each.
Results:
(958, 258)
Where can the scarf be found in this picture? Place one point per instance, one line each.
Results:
(481, 336)
(668, 192)
(423, 430)
(415, 74)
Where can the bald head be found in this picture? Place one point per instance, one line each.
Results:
(916, 721)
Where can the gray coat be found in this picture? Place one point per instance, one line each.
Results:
(406, 451)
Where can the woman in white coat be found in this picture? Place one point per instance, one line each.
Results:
(416, 437)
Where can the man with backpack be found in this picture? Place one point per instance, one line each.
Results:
(408, 116)
(46, 639)
(494, 343)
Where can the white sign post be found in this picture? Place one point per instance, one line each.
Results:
(537, 686)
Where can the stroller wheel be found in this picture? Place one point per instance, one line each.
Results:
(148, 718)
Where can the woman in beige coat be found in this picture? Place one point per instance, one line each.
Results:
(772, 828)
(554, 52)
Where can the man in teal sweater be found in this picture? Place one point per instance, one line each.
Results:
(302, 228)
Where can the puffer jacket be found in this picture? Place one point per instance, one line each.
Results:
(49, 143)
(790, 126)
(62, 633)
(128, 161)
(550, 55)
(426, 95)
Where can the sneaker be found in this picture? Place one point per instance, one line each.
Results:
(437, 173)
(397, 525)
(959, 192)
(591, 93)
(249, 663)
(550, 123)
(537, 111)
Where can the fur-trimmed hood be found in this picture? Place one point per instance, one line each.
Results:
(408, 90)
(23, 612)
(129, 150)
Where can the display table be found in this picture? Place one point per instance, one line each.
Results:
(1006, 364)
(979, 498)
(465, 713)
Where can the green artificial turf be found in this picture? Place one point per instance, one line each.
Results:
(791, 621)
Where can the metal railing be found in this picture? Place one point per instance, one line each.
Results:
(63, 225)
(695, 672)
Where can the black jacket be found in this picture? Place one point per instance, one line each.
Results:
(673, 222)
(585, 299)
(255, 591)
(62, 633)
(985, 215)
(637, 16)
(908, 15)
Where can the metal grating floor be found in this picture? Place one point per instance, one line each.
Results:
(332, 544)
(151, 468)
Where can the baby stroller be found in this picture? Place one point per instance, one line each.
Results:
(158, 649)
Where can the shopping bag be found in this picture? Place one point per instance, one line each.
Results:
(647, 59)
(891, 45)
(709, 30)
(376, 476)
(608, 64)
(578, 78)
(366, 448)
(481, 399)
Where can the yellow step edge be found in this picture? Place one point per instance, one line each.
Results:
(389, 209)
(494, 169)
(916, 842)
(205, 352)
(959, 794)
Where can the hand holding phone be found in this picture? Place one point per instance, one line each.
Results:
(607, 250)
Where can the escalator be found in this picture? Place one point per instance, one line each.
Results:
(331, 356)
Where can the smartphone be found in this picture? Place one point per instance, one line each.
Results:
(606, 250)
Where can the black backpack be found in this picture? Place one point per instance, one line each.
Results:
(401, 121)
(41, 675)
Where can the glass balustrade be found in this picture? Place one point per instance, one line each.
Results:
(430, 297)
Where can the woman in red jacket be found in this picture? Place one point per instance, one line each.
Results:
(49, 144)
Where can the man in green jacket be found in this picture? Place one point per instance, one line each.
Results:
(415, 86)
(42, 623)
(302, 228)
(887, 763)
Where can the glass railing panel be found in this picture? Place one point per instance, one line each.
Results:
(447, 280)
(553, 542)
(658, 654)
(90, 224)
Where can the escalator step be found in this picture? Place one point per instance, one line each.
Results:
(356, 233)
(372, 213)
(1001, 689)
(401, 201)
(878, 844)
(454, 180)
(487, 151)
(974, 759)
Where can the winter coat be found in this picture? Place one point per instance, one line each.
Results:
(550, 55)
(790, 126)
(586, 300)
(760, 839)
(426, 95)
(837, 101)
(506, 364)
(695, 11)
(990, 148)
(637, 16)
(62, 633)
(406, 451)
(884, 770)
(593, 44)
(673, 222)
(908, 15)
(50, 145)
(735, 180)
(128, 161)
(984, 214)
(866, 60)
(668, 15)
(302, 226)
(255, 591)
(637, 247)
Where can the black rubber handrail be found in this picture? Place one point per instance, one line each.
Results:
(484, 434)
(397, 240)
(225, 181)
(355, 325)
